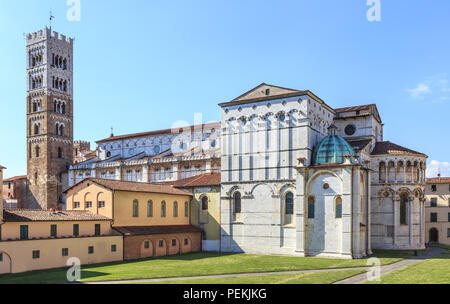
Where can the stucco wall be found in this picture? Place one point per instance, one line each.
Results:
(442, 196)
(11, 231)
(94, 193)
(21, 252)
(207, 220)
(123, 209)
(134, 245)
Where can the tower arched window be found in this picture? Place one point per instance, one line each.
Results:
(37, 151)
(237, 203)
(37, 129)
(60, 154)
(175, 209)
(288, 208)
(135, 208)
(63, 108)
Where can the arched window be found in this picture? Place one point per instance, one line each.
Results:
(288, 208)
(186, 209)
(205, 203)
(135, 208)
(163, 209)
(61, 130)
(37, 150)
(149, 209)
(237, 203)
(37, 129)
(403, 209)
(338, 207)
(59, 152)
(63, 108)
(311, 207)
(175, 209)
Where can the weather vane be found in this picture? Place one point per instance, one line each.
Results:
(50, 19)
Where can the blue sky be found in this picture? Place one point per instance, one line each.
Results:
(141, 65)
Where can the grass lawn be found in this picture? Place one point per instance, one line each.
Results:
(196, 264)
(432, 271)
(301, 278)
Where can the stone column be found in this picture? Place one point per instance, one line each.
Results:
(175, 172)
(208, 168)
(410, 213)
(396, 201)
(145, 173)
(301, 201)
(118, 174)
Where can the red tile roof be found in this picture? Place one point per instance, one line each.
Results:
(134, 186)
(28, 215)
(438, 180)
(11, 179)
(359, 144)
(372, 107)
(161, 132)
(147, 230)
(386, 147)
(197, 181)
(295, 93)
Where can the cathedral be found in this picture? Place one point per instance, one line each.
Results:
(297, 177)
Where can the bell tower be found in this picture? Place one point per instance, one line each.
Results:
(49, 115)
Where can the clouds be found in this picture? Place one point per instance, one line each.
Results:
(435, 167)
(433, 89)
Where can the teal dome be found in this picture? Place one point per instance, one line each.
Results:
(331, 149)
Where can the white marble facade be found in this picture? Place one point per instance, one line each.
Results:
(268, 137)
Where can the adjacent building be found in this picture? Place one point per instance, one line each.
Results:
(153, 219)
(204, 207)
(15, 192)
(438, 210)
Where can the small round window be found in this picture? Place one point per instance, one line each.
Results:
(108, 154)
(350, 130)
(213, 143)
(326, 186)
(157, 149)
(282, 117)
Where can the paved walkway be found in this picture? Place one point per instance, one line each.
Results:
(219, 276)
(358, 279)
(362, 278)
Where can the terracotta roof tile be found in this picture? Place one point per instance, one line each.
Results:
(359, 144)
(386, 147)
(159, 132)
(147, 230)
(438, 180)
(134, 186)
(198, 181)
(372, 107)
(15, 178)
(28, 215)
